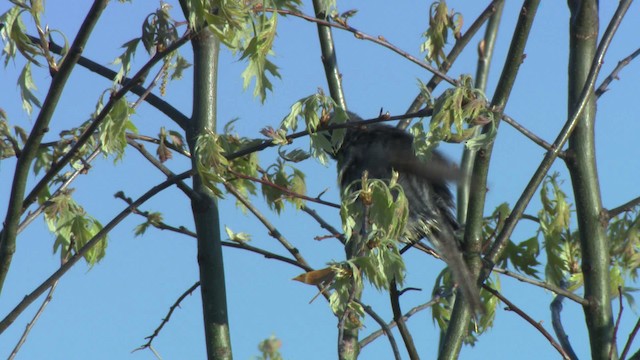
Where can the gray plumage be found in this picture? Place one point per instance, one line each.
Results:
(380, 149)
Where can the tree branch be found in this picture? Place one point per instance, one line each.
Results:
(351, 124)
(325, 225)
(33, 321)
(157, 102)
(527, 318)
(628, 206)
(86, 135)
(385, 328)
(376, 334)
(632, 336)
(461, 314)
(493, 12)
(33, 296)
(380, 40)
(502, 239)
(614, 74)
(16, 198)
(394, 295)
(558, 290)
(283, 189)
(166, 319)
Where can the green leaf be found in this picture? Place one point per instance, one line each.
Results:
(436, 36)
(113, 130)
(240, 237)
(180, 65)
(210, 161)
(125, 59)
(26, 85)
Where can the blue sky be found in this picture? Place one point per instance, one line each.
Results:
(107, 311)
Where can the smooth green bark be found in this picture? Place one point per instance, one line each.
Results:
(206, 48)
(581, 161)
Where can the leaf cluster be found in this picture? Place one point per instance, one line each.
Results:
(441, 22)
(441, 311)
(284, 176)
(456, 115)
(73, 228)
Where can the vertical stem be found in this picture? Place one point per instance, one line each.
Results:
(581, 163)
(329, 59)
(348, 346)
(485, 53)
(461, 314)
(206, 49)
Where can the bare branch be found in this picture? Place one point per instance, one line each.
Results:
(33, 321)
(632, 336)
(385, 328)
(617, 325)
(161, 225)
(533, 137)
(325, 225)
(522, 314)
(542, 284)
(394, 295)
(186, 189)
(614, 74)
(628, 206)
(376, 334)
(283, 189)
(380, 40)
(166, 319)
(33, 296)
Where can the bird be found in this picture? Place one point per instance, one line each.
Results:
(380, 149)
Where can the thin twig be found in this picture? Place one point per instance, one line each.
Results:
(82, 170)
(95, 123)
(269, 143)
(526, 132)
(283, 189)
(527, 318)
(325, 225)
(556, 289)
(628, 206)
(186, 189)
(384, 327)
(394, 296)
(181, 150)
(46, 284)
(165, 320)
(33, 321)
(161, 225)
(614, 74)
(376, 334)
(380, 40)
(453, 54)
(632, 336)
(617, 325)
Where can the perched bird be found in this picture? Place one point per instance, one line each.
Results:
(379, 150)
